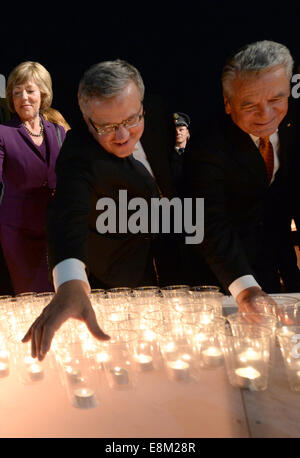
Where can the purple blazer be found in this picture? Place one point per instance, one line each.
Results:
(27, 176)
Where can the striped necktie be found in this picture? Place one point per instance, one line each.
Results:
(266, 150)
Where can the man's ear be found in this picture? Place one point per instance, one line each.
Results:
(227, 104)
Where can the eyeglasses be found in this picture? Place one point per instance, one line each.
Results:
(129, 123)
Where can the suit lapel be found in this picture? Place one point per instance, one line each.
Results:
(246, 154)
(286, 146)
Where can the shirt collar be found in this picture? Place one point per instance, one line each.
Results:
(272, 137)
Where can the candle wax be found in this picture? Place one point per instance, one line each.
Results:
(212, 356)
(179, 370)
(247, 377)
(35, 372)
(120, 376)
(73, 374)
(84, 398)
(144, 362)
(4, 370)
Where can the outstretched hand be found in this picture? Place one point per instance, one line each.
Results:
(70, 301)
(249, 301)
(254, 301)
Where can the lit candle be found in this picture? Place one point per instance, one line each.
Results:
(85, 398)
(144, 362)
(119, 375)
(4, 370)
(200, 337)
(212, 356)
(247, 377)
(102, 357)
(73, 375)
(287, 332)
(4, 355)
(35, 372)
(206, 318)
(169, 350)
(249, 355)
(29, 360)
(179, 370)
(149, 335)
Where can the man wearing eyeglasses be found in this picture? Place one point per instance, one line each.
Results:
(106, 154)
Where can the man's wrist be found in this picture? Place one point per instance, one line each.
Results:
(67, 270)
(248, 294)
(242, 283)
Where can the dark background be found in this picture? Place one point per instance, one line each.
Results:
(179, 48)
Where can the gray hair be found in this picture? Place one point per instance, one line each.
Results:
(255, 58)
(108, 79)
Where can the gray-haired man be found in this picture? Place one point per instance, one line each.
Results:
(242, 169)
(105, 155)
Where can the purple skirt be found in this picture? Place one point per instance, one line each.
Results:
(25, 253)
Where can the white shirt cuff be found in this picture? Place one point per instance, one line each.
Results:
(69, 269)
(241, 283)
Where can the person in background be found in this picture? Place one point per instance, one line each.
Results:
(182, 135)
(5, 114)
(29, 147)
(242, 169)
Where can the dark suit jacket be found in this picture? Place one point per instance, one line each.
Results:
(5, 114)
(247, 223)
(86, 173)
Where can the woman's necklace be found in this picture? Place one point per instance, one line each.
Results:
(35, 135)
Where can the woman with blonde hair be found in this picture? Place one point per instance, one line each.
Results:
(29, 146)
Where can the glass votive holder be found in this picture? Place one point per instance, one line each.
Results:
(146, 291)
(289, 341)
(207, 343)
(98, 300)
(147, 355)
(121, 321)
(247, 355)
(145, 299)
(29, 370)
(175, 293)
(77, 371)
(170, 290)
(261, 319)
(205, 288)
(120, 367)
(200, 314)
(120, 293)
(278, 305)
(4, 353)
(211, 298)
(180, 352)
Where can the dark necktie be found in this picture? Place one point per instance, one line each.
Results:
(180, 151)
(147, 177)
(266, 150)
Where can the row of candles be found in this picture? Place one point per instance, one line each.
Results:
(176, 329)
